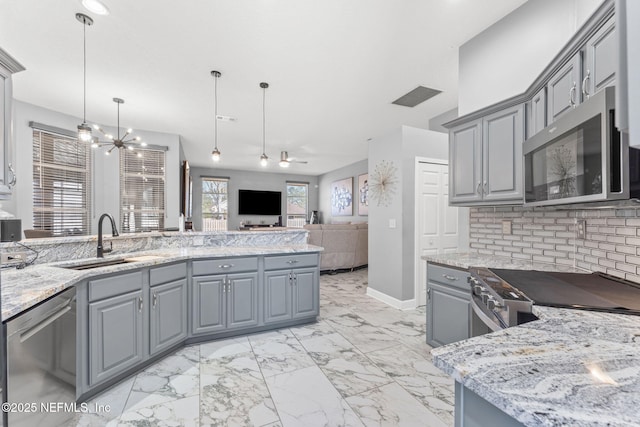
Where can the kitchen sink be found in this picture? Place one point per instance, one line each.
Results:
(97, 263)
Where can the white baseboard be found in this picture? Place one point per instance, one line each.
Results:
(393, 302)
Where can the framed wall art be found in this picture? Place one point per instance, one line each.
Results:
(342, 197)
(363, 194)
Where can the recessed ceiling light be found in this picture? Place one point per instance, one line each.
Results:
(95, 6)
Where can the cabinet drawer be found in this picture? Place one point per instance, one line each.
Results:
(168, 273)
(290, 261)
(451, 277)
(115, 285)
(224, 265)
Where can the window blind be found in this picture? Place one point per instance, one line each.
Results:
(61, 184)
(142, 189)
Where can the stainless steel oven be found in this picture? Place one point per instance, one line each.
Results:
(41, 363)
(579, 158)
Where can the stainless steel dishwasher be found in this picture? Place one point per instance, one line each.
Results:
(41, 363)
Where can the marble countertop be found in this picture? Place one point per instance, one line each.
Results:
(465, 260)
(22, 289)
(570, 368)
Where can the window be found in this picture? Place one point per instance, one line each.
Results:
(142, 189)
(297, 198)
(214, 204)
(61, 184)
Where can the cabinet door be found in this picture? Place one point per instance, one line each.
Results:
(537, 113)
(242, 300)
(563, 90)
(305, 292)
(277, 296)
(600, 60)
(208, 304)
(448, 315)
(168, 315)
(116, 340)
(465, 167)
(503, 134)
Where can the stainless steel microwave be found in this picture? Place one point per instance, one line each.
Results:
(579, 158)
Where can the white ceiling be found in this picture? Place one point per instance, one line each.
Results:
(334, 67)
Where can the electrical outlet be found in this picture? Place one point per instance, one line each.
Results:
(581, 229)
(13, 257)
(506, 226)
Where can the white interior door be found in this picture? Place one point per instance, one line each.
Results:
(438, 224)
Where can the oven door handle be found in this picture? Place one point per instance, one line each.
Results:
(43, 324)
(491, 324)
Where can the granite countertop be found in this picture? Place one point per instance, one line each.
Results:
(465, 260)
(22, 289)
(570, 368)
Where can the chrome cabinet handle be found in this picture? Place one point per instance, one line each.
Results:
(229, 284)
(155, 299)
(585, 88)
(428, 293)
(452, 278)
(224, 285)
(292, 261)
(140, 304)
(485, 188)
(479, 189)
(572, 93)
(13, 179)
(225, 266)
(291, 279)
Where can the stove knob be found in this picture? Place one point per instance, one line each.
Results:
(473, 281)
(492, 304)
(485, 298)
(477, 290)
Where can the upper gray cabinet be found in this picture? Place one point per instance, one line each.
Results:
(537, 112)
(486, 159)
(563, 89)
(600, 60)
(8, 66)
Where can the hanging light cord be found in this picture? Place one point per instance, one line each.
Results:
(215, 110)
(84, 71)
(264, 92)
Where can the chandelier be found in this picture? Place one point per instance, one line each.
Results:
(117, 141)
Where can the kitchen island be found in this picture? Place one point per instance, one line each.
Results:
(570, 367)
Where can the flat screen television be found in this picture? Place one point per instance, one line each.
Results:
(252, 202)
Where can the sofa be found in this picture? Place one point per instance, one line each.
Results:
(346, 246)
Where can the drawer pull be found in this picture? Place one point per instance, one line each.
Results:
(225, 266)
(155, 299)
(140, 304)
(452, 278)
(292, 261)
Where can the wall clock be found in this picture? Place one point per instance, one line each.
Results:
(383, 183)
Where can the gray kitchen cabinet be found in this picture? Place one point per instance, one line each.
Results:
(537, 112)
(116, 335)
(486, 159)
(290, 294)
(600, 60)
(224, 302)
(8, 66)
(563, 89)
(168, 315)
(448, 305)
(168, 306)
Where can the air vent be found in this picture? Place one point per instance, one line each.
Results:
(416, 96)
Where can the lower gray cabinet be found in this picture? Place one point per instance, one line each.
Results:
(116, 335)
(448, 305)
(168, 315)
(224, 302)
(290, 294)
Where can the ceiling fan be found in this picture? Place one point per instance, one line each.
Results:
(285, 160)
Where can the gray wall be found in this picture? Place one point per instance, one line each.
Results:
(391, 250)
(324, 192)
(248, 180)
(503, 60)
(106, 184)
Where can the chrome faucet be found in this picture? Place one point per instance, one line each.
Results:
(114, 233)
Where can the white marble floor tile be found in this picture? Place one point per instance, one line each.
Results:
(181, 412)
(306, 398)
(363, 335)
(278, 352)
(106, 406)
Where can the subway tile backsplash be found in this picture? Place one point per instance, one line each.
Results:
(612, 243)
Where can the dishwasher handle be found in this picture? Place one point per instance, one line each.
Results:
(44, 323)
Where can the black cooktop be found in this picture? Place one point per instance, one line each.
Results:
(595, 291)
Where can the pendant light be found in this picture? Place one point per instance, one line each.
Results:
(263, 158)
(215, 154)
(84, 130)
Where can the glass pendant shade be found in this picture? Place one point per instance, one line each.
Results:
(84, 132)
(264, 160)
(215, 155)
